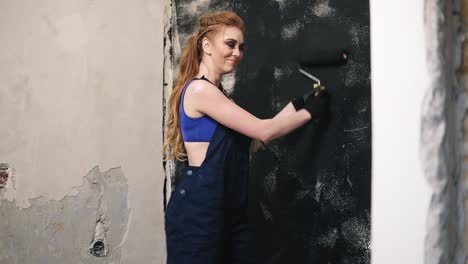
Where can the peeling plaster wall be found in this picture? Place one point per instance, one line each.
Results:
(64, 231)
(80, 87)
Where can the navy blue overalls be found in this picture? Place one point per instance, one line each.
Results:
(206, 217)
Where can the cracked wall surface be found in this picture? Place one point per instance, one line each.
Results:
(81, 86)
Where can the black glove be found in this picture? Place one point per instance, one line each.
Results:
(299, 101)
(317, 104)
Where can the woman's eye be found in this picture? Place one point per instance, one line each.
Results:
(231, 44)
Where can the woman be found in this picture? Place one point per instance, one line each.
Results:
(206, 218)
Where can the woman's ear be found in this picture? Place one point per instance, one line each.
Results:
(206, 45)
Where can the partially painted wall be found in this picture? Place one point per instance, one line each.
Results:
(310, 195)
(80, 146)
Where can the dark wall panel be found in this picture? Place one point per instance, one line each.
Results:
(310, 194)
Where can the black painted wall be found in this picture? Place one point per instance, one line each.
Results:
(310, 195)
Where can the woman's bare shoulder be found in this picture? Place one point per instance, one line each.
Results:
(202, 87)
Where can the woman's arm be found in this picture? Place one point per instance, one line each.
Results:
(256, 144)
(287, 110)
(207, 99)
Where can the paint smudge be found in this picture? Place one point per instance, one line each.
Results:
(278, 73)
(318, 190)
(356, 231)
(282, 72)
(339, 200)
(228, 82)
(322, 9)
(354, 31)
(266, 213)
(303, 194)
(328, 239)
(357, 71)
(357, 32)
(195, 8)
(270, 181)
(290, 31)
(351, 74)
(282, 4)
(276, 104)
(309, 192)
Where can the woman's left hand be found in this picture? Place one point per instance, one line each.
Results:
(255, 145)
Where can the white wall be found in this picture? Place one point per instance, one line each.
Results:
(400, 193)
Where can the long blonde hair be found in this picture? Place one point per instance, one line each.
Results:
(188, 69)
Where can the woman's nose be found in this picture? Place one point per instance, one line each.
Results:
(236, 52)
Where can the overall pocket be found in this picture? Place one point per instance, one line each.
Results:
(179, 195)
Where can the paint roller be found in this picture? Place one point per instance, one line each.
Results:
(325, 57)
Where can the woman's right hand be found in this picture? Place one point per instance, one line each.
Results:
(317, 104)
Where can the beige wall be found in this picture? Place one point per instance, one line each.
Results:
(81, 86)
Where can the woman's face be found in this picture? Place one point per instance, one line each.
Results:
(227, 49)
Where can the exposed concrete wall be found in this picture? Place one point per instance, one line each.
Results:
(463, 114)
(80, 94)
(440, 131)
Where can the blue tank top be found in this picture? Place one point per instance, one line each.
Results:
(199, 129)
